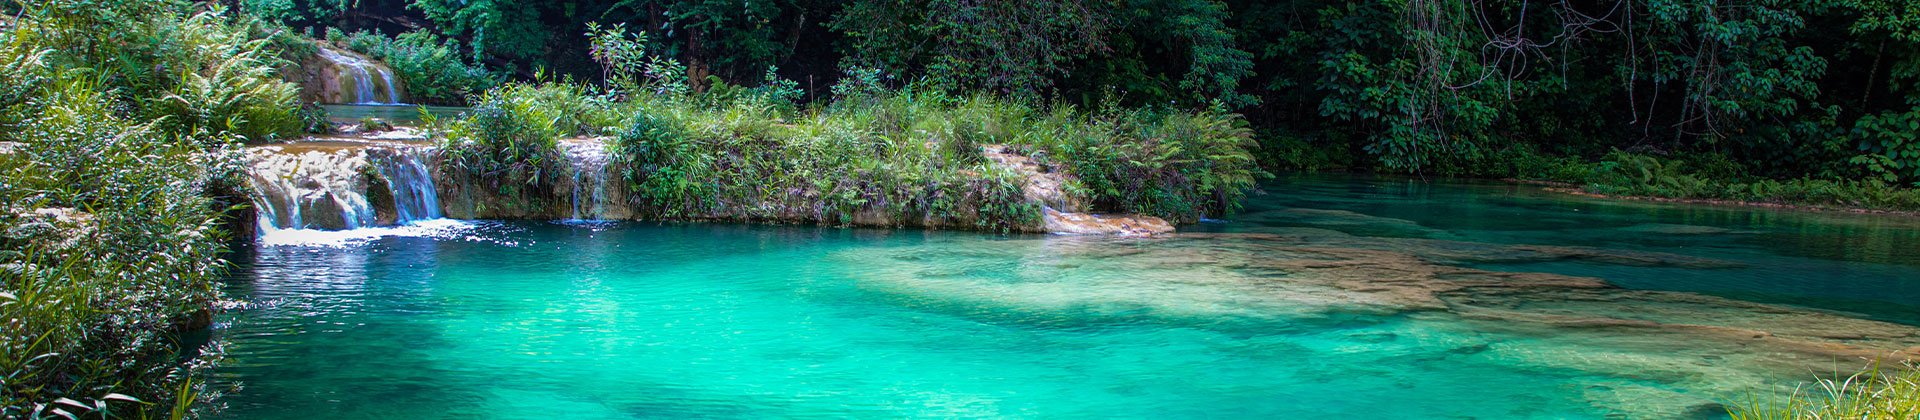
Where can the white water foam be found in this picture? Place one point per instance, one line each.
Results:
(433, 228)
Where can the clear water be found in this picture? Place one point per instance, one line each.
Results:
(1279, 313)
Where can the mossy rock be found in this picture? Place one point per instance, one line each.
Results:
(380, 196)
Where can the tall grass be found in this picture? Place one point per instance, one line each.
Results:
(129, 114)
(199, 71)
(110, 251)
(1876, 393)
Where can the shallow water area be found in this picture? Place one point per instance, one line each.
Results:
(1328, 297)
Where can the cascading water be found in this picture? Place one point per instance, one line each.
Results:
(332, 190)
(355, 80)
(411, 182)
(393, 92)
(309, 190)
(589, 193)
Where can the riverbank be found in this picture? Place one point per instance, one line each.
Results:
(1577, 190)
(1702, 178)
(884, 159)
(375, 180)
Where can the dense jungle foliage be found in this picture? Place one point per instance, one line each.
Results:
(1818, 97)
(120, 158)
(119, 119)
(907, 157)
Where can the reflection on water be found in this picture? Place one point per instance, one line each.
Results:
(1329, 297)
(1854, 263)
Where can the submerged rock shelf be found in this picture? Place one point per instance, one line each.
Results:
(1544, 321)
(1460, 300)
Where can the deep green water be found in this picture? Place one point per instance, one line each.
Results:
(1253, 317)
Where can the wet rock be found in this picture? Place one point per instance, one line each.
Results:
(337, 76)
(1063, 213)
(1043, 184)
(1092, 224)
(1704, 411)
(1373, 337)
(323, 210)
(1334, 218)
(323, 186)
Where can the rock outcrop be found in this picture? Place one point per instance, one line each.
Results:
(386, 177)
(341, 184)
(1061, 212)
(336, 76)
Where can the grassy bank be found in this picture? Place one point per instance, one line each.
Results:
(872, 156)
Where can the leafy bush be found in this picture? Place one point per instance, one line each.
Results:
(233, 86)
(511, 136)
(626, 66)
(1892, 141)
(110, 251)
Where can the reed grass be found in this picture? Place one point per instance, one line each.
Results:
(1881, 391)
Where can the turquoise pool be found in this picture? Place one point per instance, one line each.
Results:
(1328, 297)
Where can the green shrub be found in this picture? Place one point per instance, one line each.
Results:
(110, 250)
(511, 136)
(1894, 139)
(233, 88)
(747, 159)
(1181, 166)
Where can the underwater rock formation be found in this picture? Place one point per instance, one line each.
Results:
(1396, 297)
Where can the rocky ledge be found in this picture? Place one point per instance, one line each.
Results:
(377, 178)
(1062, 213)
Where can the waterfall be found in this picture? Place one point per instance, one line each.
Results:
(343, 188)
(354, 80)
(393, 92)
(589, 193)
(414, 197)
